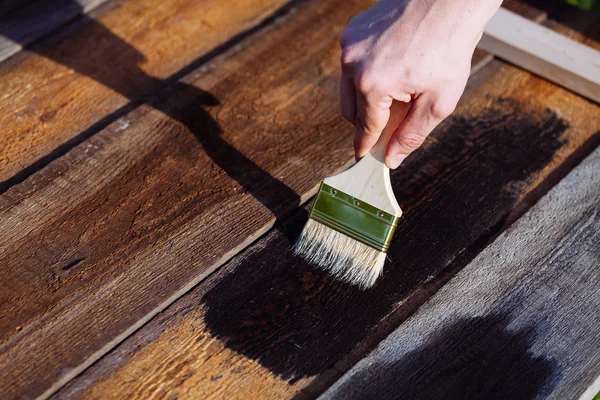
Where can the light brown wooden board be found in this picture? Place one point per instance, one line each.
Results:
(522, 320)
(23, 22)
(64, 89)
(269, 326)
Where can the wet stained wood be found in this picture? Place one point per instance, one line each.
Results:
(23, 22)
(108, 235)
(64, 89)
(267, 325)
(519, 322)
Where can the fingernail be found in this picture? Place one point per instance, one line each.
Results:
(395, 160)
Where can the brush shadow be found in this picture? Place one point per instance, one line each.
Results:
(298, 322)
(117, 65)
(471, 359)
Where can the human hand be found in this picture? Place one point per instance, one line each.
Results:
(408, 50)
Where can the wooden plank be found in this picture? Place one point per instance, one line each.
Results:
(177, 369)
(520, 321)
(67, 88)
(130, 221)
(544, 52)
(22, 23)
(267, 325)
(158, 219)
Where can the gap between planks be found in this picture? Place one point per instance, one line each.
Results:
(77, 81)
(304, 199)
(242, 255)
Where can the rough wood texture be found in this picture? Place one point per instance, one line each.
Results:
(156, 201)
(136, 229)
(96, 71)
(67, 88)
(267, 324)
(520, 321)
(22, 22)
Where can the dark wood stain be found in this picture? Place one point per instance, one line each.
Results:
(518, 322)
(207, 157)
(298, 322)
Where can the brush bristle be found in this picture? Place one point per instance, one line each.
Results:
(342, 256)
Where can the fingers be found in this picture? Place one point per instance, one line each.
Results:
(348, 99)
(372, 114)
(425, 114)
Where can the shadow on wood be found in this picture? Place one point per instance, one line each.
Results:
(119, 68)
(456, 192)
(477, 358)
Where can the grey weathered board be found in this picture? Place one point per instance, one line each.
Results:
(22, 22)
(521, 320)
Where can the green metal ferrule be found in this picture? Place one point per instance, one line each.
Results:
(354, 218)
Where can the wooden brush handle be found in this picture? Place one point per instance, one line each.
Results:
(398, 111)
(369, 179)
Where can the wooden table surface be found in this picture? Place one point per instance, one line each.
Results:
(157, 161)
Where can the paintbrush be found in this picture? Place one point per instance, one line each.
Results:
(354, 216)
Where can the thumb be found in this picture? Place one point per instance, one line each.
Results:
(372, 114)
(422, 118)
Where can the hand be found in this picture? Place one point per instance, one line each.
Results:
(408, 50)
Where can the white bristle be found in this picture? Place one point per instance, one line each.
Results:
(342, 256)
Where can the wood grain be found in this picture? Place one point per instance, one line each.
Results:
(237, 354)
(68, 87)
(23, 22)
(520, 321)
(109, 235)
(269, 326)
(152, 204)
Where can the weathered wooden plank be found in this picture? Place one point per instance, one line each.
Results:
(217, 369)
(132, 220)
(520, 321)
(269, 326)
(152, 204)
(65, 89)
(22, 22)
(123, 53)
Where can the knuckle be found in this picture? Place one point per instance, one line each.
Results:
(366, 81)
(412, 141)
(442, 108)
(348, 55)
